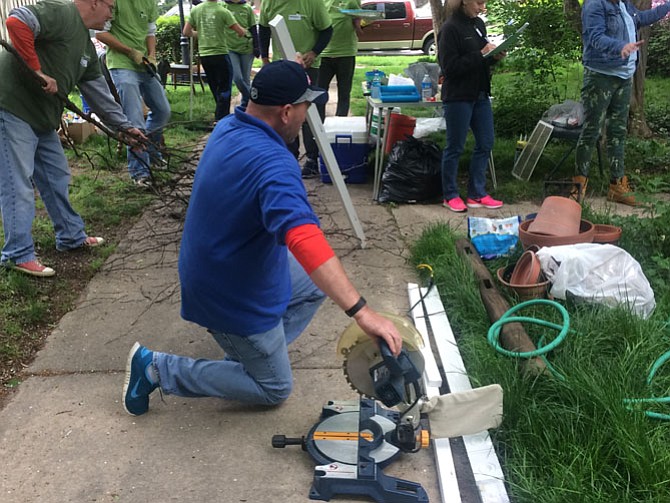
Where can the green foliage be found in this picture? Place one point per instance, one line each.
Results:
(658, 56)
(168, 36)
(548, 43)
(519, 104)
(647, 156)
(648, 240)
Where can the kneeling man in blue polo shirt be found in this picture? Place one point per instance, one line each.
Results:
(254, 265)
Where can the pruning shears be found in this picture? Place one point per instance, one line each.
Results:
(150, 68)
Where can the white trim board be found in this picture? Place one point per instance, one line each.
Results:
(282, 38)
(485, 465)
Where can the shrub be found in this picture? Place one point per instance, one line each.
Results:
(168, 35)
(658, 57)
(519, 105)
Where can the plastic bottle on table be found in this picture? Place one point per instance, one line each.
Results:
(375, 88)
(426, 88)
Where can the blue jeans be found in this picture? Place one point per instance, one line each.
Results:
(461, 116)
(135, 87)
(242, 73)
(27, 158)
(256, 368)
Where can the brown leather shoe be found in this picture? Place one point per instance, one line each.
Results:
(620, 192)
(578, 192)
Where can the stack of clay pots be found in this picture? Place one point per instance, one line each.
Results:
(525, 277)
(559, 222)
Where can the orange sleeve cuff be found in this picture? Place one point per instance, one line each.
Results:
(309, 246)
(23, 40)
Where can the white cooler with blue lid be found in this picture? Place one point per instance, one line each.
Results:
(348, 136)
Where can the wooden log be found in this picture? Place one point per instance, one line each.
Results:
(513, 336)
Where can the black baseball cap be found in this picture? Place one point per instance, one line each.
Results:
(285, 83)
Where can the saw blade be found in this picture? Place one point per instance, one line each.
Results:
(357, 363)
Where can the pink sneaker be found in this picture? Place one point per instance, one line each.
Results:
(34, 268)
(484, 202)
(455, 204)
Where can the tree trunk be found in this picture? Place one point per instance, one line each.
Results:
(439, 17)
(637, 122)
(573, 13)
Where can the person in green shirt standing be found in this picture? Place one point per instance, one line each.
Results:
(242, 50)
(310, 28)
(130, 38)
(209, 22)
(339, 58)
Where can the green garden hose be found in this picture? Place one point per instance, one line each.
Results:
(663, 399)
(494, 337)
(494, 332)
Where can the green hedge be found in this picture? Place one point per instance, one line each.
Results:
(658, 60)
(168, 35)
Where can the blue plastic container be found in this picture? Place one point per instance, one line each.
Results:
(391, 94)
(370, 76)
(351, 157)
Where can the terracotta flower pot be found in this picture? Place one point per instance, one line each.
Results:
(527, 270)
(607, 234)
(524, 292)
(586, 232)
(558, 216)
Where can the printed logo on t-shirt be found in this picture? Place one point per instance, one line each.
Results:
(294, 17)
(83, 62)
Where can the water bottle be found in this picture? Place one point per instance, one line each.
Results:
(426, 88)
(376, 87)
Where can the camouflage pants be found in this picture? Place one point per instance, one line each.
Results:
(605, 98)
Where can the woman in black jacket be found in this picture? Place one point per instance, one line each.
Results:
(466, 92)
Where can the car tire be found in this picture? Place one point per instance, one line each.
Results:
(429, 48)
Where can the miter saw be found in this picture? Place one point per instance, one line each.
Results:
(355, 439)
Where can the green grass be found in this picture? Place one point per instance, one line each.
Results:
(573, 439)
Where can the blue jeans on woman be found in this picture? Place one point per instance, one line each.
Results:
(26, 158)
(134, 88)
(242, 74)
(256, 368)
(460, 117)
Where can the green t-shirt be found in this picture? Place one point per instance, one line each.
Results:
(304, 19)
(344, 41)
(130, 25)
(245, 17)
(212, 20)
(66, 53)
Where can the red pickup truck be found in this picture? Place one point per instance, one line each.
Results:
(401, 27)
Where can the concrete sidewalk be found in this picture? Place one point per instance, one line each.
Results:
(65, 436)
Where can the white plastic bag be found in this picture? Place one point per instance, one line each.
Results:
(600, 273)
(569, 114)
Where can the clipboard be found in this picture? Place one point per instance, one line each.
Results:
(508, 43)
(363, 13)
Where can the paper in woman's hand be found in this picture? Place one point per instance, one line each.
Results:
(509, 43)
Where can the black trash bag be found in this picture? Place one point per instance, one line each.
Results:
(412, 173)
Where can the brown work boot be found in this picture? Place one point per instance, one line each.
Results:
(578, 192)
(620, 192)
